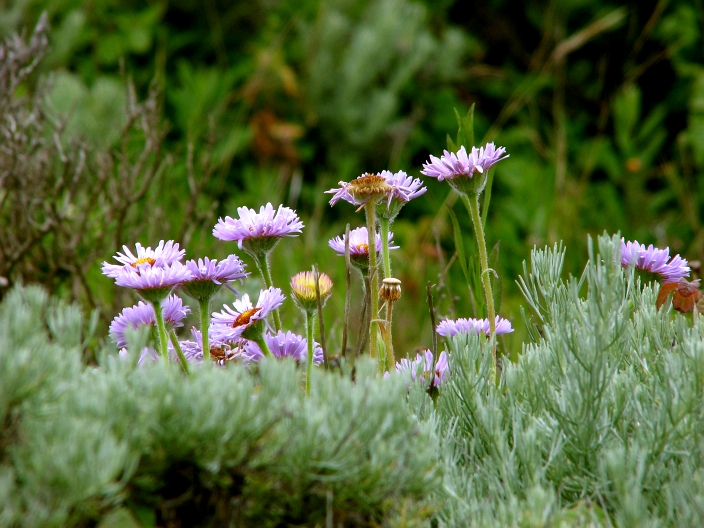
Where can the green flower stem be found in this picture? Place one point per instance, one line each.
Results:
(388, 341)
(204, 305)
(373, 272)
(310, 328)
(385, 224)
(263, 346)
(472, 204)
(161, 328)
(263, 266)
(179, 351)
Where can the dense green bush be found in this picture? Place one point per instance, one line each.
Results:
(599, 423)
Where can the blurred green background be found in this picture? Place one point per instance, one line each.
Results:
(198, 107)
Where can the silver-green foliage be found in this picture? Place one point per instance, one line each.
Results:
(221, 447)
(600, 422)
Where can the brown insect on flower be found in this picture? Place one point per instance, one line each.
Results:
(685, 294)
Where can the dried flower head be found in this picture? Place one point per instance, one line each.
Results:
(362, 189)
(303, 289)
(390, 290)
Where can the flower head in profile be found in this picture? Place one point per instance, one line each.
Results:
(362, 189)
(244, 319)
(461, 167)
(258, 233)
(283, 344)
(164, 254)
(152, 283)
(421, 368)
(142, 314)
(209, 275)
(450, 328)
(220, 351)
(359, 246)
(403, 189)
(653, 261)
(304, 292)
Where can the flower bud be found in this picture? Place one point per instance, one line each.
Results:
(303, 289)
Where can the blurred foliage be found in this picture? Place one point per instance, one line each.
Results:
(600, 105)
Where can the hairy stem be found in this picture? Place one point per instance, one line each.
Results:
(388, 340)
(385, 224)
(179, 351)
(472, 204)
(204, 306)
(374, 290)
(310, 321)
(161, 329)
(263, 266)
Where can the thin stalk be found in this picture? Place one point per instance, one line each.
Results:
(374, 286)
(363, 333)
(385, 224)
(472, 205)
(388, 340)
(161, 330)
(204, 306)
(263, 346)
(321, 321)
(263, 266)
(310, 317)
(179, 351)
(348, 293)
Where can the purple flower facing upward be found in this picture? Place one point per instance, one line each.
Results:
(653, 260)
(449, 328)
(266, 224)
(423, 365)
(283, 344)
(451, 165)
(142, 314)
(153, 283)
(164, 254)
(228, 270)
(231, 323)
(359, 243)
(220, 352)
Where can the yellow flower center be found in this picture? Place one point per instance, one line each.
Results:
(145, 260)
(364, 248)
(244, 317)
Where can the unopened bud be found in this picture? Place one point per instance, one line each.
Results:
(303, 289)
(390, 290)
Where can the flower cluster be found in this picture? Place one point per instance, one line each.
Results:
(423, 368)
(281, 345)
(450, 328)
(231, 324)
(142, 314)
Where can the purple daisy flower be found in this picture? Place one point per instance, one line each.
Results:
(266, 224)
(220, 352)
(283, 344)
(423, 364)
(164, 254)
(142, 314)
(653, 260)
(359, 243)
(449, 328)
(451, 165)
(229, 324)
(153, 283)
(209, 275)
(148, 355)
(403, 186)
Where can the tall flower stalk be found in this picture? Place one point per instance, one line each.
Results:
(374, 281)
(467, 175)
(258, 234)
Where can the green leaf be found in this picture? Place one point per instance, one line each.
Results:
(459, 245)
(465, 132)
